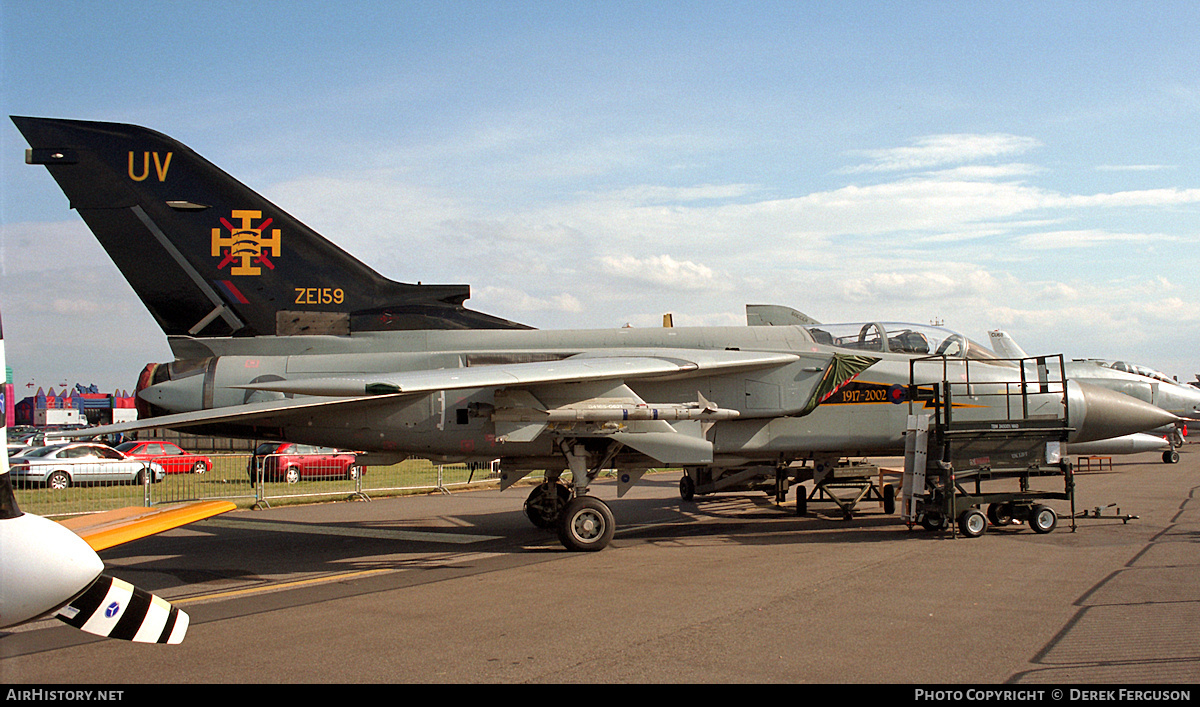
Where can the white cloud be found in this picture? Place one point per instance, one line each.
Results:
(47, 247)
(661, 271)
(1133, 167)
(987, 172)
(648, 193)
(1051, 240)
(1137, 197)
(354, 209)
(492, 299)
(1055, 292)
(936, 150)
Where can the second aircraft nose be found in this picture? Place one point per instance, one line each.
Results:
(1099, 413)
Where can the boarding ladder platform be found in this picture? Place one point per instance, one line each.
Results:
(980, 439)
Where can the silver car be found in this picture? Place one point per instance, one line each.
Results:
(61, 465)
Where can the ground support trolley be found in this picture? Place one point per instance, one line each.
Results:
(956, 499)
(991, 438)
(846, 484)
(702, 481)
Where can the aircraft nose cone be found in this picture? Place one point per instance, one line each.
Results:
(1100, 413)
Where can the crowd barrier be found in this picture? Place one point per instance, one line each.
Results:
(252, 481)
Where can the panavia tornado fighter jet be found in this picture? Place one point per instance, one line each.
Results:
(1136, 381)
(278, 333)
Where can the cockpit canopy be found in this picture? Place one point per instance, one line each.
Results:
(1135, 369)
(890, 337)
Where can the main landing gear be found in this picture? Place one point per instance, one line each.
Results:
(583, 523)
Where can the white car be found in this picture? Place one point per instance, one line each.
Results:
(61, 465)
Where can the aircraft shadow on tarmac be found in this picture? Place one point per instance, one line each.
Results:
(213, 553)
(218, 551)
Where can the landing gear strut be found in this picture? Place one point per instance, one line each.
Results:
(584, 523)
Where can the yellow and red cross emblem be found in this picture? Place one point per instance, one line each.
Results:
(246, 247)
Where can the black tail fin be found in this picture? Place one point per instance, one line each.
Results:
(210, 257)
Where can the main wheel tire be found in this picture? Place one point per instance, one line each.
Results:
(889, 499)
(801, 501)
(687, 488)
(1042, 519)
(972, 523)
(544, 510)
(58, 480)
(586, 525)
(1170, 457)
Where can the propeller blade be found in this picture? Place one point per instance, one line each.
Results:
(114, 608)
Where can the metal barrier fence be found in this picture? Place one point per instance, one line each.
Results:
(252, 481)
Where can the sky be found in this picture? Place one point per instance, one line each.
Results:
(1031, 167)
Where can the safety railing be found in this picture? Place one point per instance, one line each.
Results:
(992, 390)
(252, 481)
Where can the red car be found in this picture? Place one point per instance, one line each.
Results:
(291, 462)
(170, 456)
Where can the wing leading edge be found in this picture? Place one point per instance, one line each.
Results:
(576, 369)
(349, 391)
(587, 393)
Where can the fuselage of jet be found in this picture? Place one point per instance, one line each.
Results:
(763, 418)
(1159, 390)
